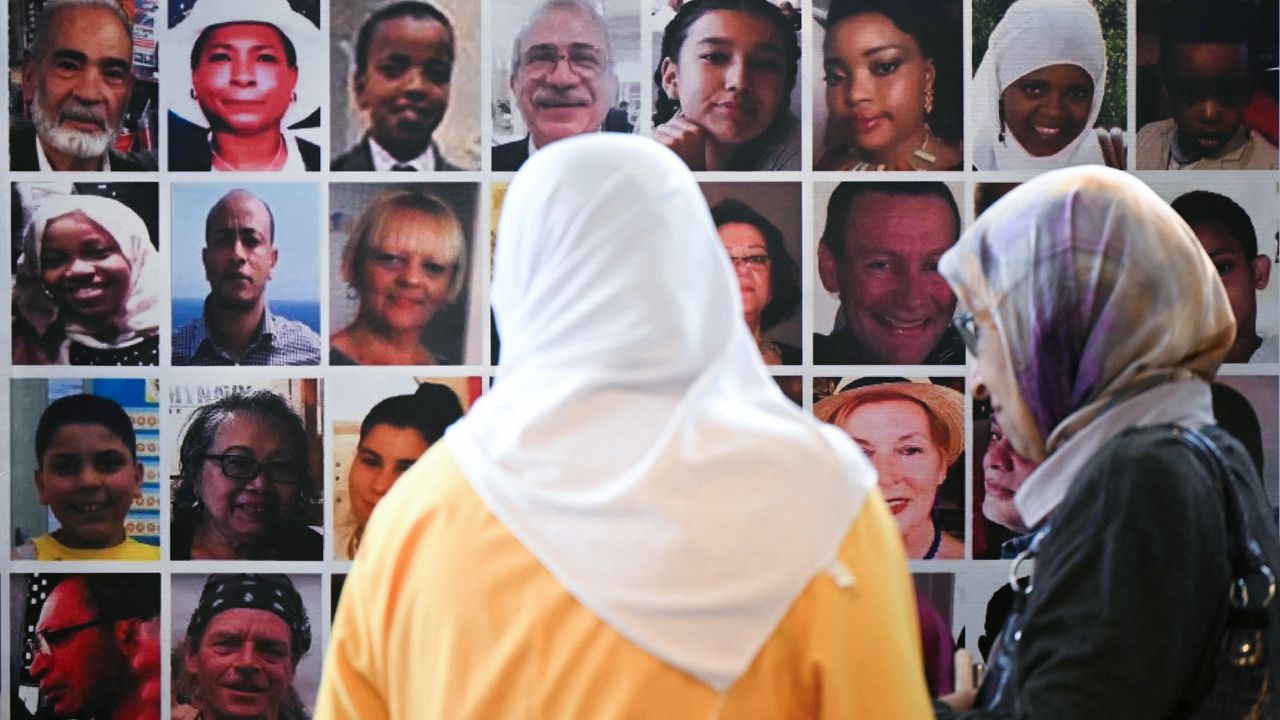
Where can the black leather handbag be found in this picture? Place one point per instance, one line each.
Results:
(1241, 684)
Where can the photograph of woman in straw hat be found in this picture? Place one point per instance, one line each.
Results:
(248, 89)
(913, 432)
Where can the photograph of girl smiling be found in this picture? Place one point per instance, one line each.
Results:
(1049, 84)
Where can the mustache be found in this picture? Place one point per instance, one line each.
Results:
(549, 96)
(73, 109)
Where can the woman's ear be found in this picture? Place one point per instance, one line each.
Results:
(670, 85)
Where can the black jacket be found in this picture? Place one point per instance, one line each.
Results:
(1130, 587)
(508, 157)
(360, 159)
(189, 147)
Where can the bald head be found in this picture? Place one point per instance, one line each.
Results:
(239, 254)
(235, 202)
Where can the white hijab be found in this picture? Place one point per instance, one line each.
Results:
(633, 440)
(144, 308)
(1034, 34)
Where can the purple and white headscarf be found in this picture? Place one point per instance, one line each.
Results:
(1097, 291)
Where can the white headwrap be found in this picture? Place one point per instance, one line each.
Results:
(1034, 34)
(634, 441)
(144, 308)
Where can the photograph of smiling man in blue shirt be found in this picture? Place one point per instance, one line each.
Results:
(233, 324)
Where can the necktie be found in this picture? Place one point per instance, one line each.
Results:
(404, 167)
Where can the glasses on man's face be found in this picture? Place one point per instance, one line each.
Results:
(45, 641)
(750, 262)
(245, 468)
(968, 329)
(586, 61)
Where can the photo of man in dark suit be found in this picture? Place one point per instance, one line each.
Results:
(563, 79)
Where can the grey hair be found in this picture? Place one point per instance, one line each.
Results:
(39, 44)
(580, 6)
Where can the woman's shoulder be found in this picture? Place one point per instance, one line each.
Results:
(145, 351)
(30, 348)
(1147, 474)
(779, 147)
(296, 541)
(310, 153)
(949, 548)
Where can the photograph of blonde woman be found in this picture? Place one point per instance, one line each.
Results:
(891, 76)
(401, 256)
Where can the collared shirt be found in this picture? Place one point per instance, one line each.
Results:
(293, 161)
(383, 161)
(277, 341)
(1158, 150)
(43, 159)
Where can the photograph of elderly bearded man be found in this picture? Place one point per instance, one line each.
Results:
(88, 102)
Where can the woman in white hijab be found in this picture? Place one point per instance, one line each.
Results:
(1097, 321)
(634, 521)
(1039, 89)
(89, 286)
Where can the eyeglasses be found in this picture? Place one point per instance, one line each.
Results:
(45, 640)
(750, 261)
(243, 467)
(968, 329)
(586, 61)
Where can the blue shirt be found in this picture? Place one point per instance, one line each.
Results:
(277, 341)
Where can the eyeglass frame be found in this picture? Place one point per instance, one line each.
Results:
(566, 56)
(60, 635)
(260, 468)
(754, 261)
(967, 327)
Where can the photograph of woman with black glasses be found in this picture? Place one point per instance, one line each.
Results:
(245, 482)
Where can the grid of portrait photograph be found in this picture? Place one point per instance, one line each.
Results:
(236, 317)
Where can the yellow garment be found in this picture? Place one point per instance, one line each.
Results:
(446, 615)
(48, 548)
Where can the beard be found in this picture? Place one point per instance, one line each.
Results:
(83, 144)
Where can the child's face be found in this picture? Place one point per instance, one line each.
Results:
(1208, 86)
(89, 479)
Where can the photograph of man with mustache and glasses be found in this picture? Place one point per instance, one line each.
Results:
(395, 105)
(244, 233)
(77, 81)
(570, 66)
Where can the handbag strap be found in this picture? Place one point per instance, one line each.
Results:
(1243, 551)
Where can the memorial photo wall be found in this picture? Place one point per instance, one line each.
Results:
(238, 316)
